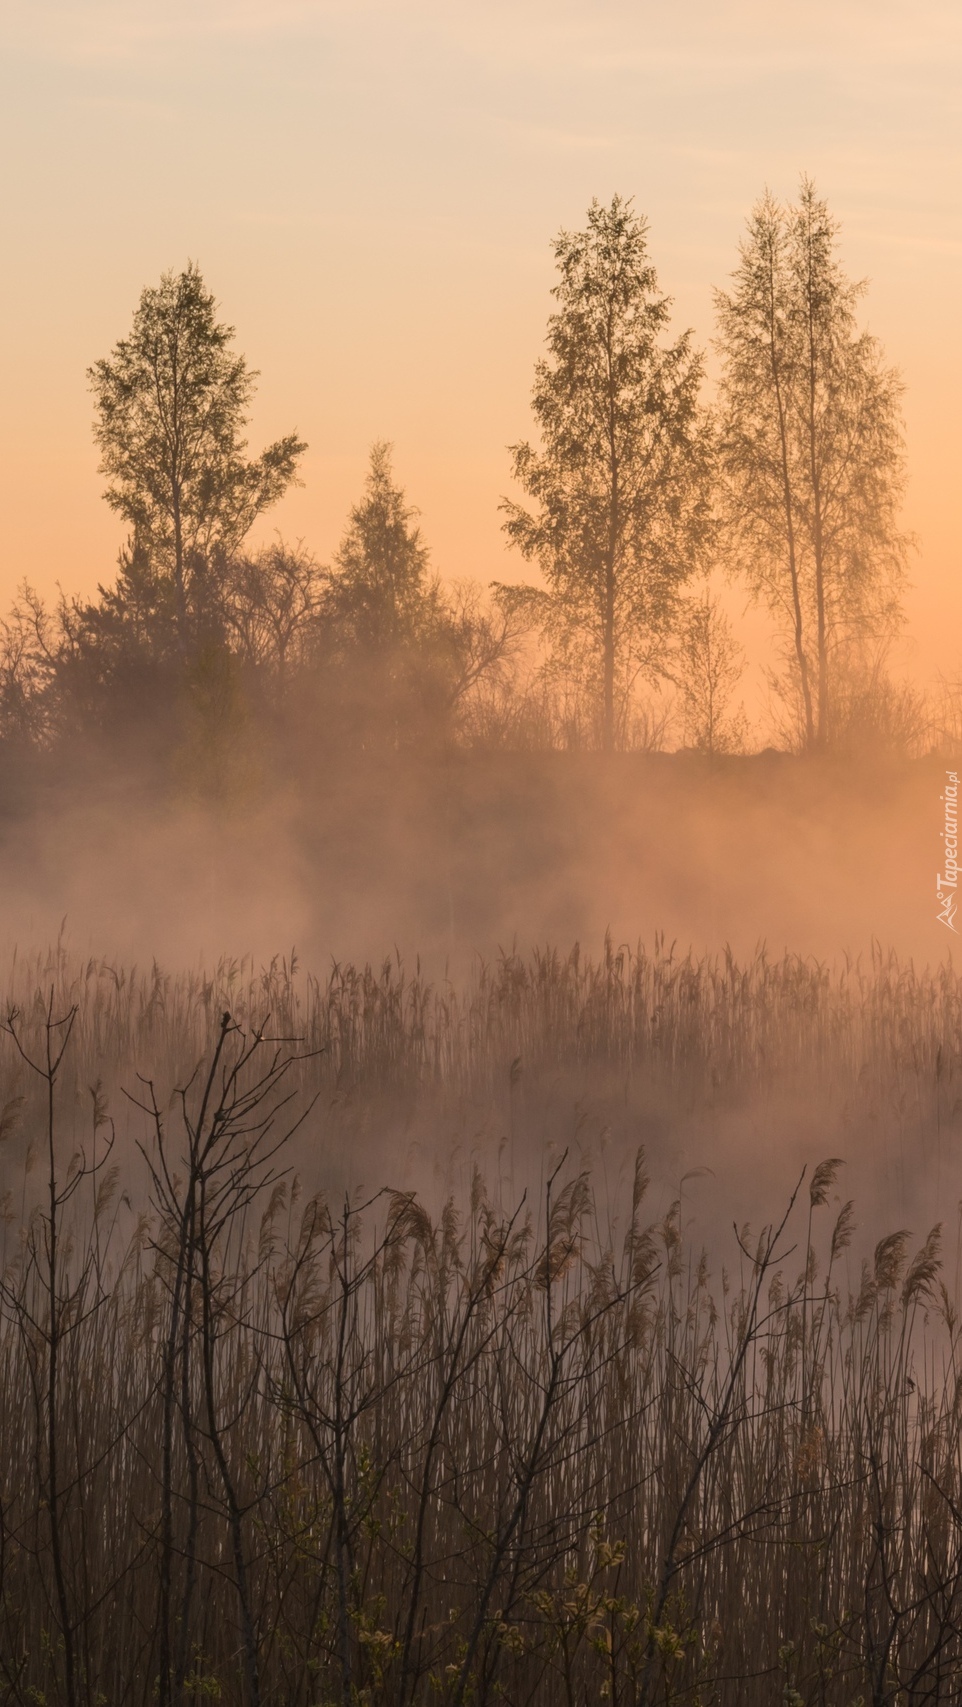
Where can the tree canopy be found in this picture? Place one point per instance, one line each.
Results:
(171, 407)
(811, 449)
(621, 511)
(206, 638)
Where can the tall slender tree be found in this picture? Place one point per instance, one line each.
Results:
(620, 486)
(810, 447)
(171, 406)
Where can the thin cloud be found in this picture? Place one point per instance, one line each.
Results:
(111, 29)
(701, 37)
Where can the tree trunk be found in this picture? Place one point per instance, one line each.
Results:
(180, 590)
(818, 545)
(611, 557)
(608, 706)
(798, 632)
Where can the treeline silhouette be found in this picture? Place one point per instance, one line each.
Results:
(271, 653)
(205, 659)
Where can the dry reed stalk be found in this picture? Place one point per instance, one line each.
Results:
(535, 1450)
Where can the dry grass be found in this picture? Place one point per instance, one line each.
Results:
(271, 1439)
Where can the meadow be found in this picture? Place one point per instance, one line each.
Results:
(372, 1340)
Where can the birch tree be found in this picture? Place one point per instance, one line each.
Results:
(171, 407)
(619, 488)
(810, 448)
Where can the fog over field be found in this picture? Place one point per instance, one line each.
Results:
(793, 893)
(480, 999)
(463, 856)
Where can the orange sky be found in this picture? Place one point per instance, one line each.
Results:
(371, 189)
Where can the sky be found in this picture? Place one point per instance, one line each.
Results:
(371, 188)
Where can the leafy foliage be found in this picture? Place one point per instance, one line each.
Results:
(810, 448)
(171, 405)
(621, 483)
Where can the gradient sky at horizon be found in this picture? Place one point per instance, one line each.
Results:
(371, 189)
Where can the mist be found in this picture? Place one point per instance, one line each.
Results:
(459, 857)
(442, 873)
(480, 1061)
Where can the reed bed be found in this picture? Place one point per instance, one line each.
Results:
(271, 1437)
(706, 1025)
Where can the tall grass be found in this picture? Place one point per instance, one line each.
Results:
(275, 1434)
(696, 1026)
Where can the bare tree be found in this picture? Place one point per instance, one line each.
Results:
(272, 600)
(708, 665)
(29, 642)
